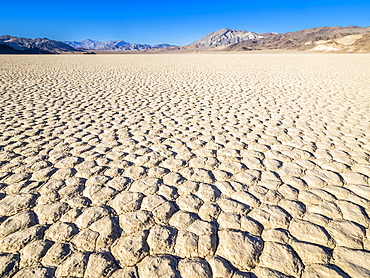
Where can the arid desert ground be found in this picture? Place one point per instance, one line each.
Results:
(185, 165)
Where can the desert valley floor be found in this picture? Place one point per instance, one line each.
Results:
(185, 165)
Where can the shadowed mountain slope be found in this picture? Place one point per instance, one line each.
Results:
(6, 49)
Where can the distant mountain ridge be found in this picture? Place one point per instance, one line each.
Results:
(43, 44)
(225, 37)
(96, 45)
(117, 45)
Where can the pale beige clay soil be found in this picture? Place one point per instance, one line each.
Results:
(197, 165)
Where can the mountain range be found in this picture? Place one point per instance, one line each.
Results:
(322, 39)
(117, 45)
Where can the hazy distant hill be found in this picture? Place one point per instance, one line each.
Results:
(225, 37)
(117, 45)
(343, 39)
(44, 44)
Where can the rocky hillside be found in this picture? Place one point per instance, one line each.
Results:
(225, 37)
(43, 44)
(351, 43)
(343, 39)
(117, 45)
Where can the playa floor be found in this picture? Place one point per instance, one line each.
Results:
(185, 165)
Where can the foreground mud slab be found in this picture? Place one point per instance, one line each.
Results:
(222, 165)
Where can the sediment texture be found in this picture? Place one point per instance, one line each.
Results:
(221, 165)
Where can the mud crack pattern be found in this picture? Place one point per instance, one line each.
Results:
(221, 165)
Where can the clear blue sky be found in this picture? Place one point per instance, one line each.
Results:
(175, 22)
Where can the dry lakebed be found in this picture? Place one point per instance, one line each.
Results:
(185, 165)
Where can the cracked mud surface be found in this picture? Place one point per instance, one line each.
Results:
(222, 165)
